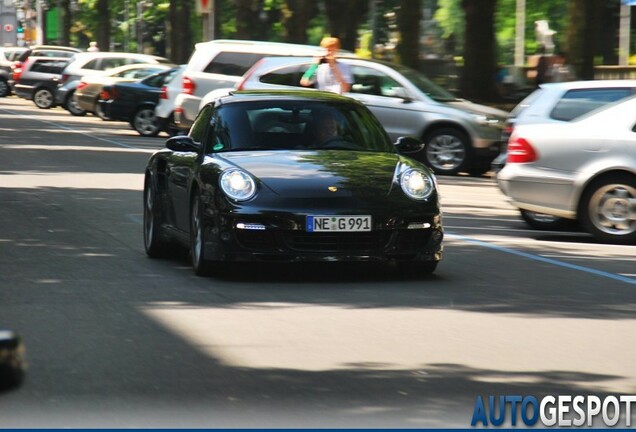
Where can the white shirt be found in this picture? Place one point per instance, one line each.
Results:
(328, 81)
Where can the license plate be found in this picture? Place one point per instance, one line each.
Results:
(338, 223)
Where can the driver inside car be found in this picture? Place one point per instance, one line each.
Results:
(325, 129)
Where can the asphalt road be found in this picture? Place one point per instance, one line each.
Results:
(115, 339)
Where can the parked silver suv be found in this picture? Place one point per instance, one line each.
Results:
(221, 63)
(459, 135)
(38, 79)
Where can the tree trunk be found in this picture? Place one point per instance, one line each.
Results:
(582, 35)
(608, 38)
(478, 77)
(247, 19)
(408, 21)
(296, 15)
(179, 34)
(65, 31)
(103, 25)
(344, 18)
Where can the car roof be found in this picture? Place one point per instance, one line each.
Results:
(262, 47)
(279, 61)
(54, 47)
(138, 66)
(292, 95)
(575, 85)
(104, 54)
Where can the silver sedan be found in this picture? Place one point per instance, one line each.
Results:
(584, 170)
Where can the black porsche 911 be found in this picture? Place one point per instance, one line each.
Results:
(291, 176)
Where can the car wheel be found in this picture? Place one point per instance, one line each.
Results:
(43, 98)
(447, 151)
(72, 106)
(5, 90)
(546, 222)
(608, 209)
(99, 111)
(200, 264)
(145, 122)
(172, 129)
(154, 241)
(417, 268)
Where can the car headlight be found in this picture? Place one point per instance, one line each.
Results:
(485, 120)
(237, 184)
(417, 184)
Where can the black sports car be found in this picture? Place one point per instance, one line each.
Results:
(291, 176)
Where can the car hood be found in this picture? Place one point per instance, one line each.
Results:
(315, 174)
(475, 108)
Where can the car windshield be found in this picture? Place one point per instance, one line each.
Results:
(297, 125)
(425, 85)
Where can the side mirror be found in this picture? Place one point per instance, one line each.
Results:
(400, 92)
(408, 145)
(12, 361)
(182, 143)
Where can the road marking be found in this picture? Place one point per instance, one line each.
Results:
(543, 259)
(61, 126)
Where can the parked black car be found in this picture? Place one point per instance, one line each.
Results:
(38, 80)
(135, 102)
(258, 178)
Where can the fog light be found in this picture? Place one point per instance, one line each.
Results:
(250, 226)
(419, 225)
(226, 236)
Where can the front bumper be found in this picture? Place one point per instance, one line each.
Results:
(186, 110)
(539, 190)
(282, 237)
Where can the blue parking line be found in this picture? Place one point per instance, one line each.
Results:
(539, 258)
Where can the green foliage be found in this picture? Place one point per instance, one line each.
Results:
(450, 17)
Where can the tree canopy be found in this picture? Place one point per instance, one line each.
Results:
(476, 34)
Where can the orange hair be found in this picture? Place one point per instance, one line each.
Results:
(330, 43)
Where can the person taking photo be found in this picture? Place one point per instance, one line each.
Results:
(327, 72)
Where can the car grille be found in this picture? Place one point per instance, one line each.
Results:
(402, 241)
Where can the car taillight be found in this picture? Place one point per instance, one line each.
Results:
(17, 69)
(65, 78)
(188, 86)
(164, 93)
(81, 85)
(108, 94)
(520, 151)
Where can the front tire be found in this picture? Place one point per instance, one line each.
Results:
(198, 238)
(447, 151)
(5, 90)
(608, 209)
(154, 242)
(72, 106)
(43, 98)
(99, 111)
(145, 122)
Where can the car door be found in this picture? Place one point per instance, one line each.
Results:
(180, 171)
(390, 101)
